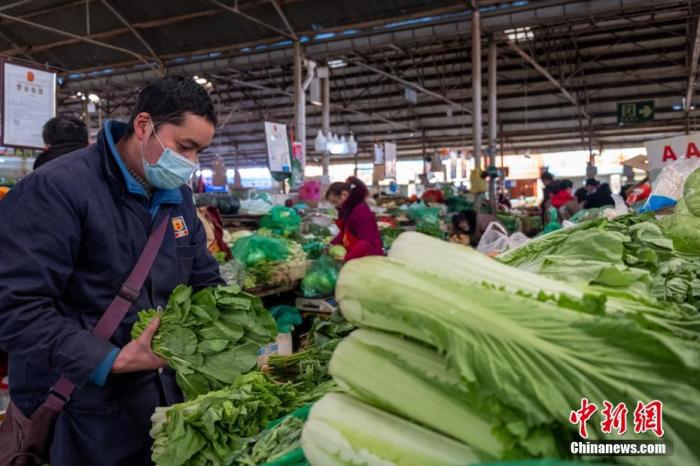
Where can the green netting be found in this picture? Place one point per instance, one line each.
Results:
(321, 278)
(421, 215)
(255, 249)
(458, 204)
(314, 249)
(281, 220)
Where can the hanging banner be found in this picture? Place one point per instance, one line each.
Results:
(661, 152)
(277, 147)
(297, 165)
(378, 154)
(29, 101)
(390, 160)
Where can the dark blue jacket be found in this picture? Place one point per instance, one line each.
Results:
(70, 233)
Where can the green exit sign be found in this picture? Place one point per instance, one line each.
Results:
(635, 112)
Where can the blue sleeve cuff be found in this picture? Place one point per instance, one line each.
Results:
(99, 375)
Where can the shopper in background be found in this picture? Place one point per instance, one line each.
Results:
(574, 205)
(474, 224)
(359, 233)
(460, 229)
(550, 187)
(562, 193)
(74, 231)
(62, 134)
(591, 185)
(600, 198)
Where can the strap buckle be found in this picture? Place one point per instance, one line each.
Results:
(52, 391)
(129, 293)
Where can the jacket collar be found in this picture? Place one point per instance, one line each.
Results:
(108, 137)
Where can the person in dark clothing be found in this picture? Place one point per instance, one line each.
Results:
(581, 194)
(472, 224)
(68, 250)
(551, 186)
(359, 233)
(591, 185)
(600, 198)
(62, 135)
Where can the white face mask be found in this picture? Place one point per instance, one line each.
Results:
(171, 171)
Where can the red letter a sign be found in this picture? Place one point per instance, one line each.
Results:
(668, 154)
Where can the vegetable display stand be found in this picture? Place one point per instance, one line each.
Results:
(286, 278)
(316, 305)
(241, 221)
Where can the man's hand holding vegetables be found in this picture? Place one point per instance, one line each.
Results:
(138, 355)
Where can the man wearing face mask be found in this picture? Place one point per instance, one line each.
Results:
(75, 230)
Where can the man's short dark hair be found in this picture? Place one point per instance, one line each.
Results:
(563, 184)
(592, 182)
(546, 176)
(168, 99)
(65, 128)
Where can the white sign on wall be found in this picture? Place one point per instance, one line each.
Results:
(29, 101)
(277, 147)
(662, 152)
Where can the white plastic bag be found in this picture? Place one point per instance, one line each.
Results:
(494, 239)
(620, 208)
(667, 188)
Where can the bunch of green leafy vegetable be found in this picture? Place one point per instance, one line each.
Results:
(526, 358)
(630, 255)
(308, 367)
(275, 443)
(331, 328)
(209, 338)
(389, 235)
(227, 426)
(213, 429)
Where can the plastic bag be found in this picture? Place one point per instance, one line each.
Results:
(424, 214)
(620, 208)
(286, 318)
(321, 278)
(553, 224)
(495, 239)
(255, 249)
(668, 186)
(233, 272)
(281, 220)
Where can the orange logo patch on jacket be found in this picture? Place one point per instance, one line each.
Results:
(180, 227)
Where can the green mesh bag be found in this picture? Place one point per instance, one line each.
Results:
(255, 249)
(281, 220)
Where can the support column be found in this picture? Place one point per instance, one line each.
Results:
(492, 120)
(299, 103)
(326, 118)
(476, 93)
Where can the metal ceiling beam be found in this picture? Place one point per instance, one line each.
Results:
(693, 66)
(286, 21)
(78, 38)
(339, 107)
(136, 34)
(410, 84)
(540, 69)
(235, 10)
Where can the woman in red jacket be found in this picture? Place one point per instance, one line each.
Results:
(359, 233)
